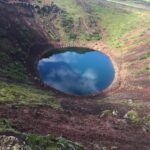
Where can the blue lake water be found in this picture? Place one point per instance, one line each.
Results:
(76, 71)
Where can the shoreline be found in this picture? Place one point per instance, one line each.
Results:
(116, 83)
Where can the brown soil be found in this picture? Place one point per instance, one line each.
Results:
(83, 127)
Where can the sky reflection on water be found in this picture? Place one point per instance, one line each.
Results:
(77, 73)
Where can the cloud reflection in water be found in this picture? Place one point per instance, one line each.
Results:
(77, 73)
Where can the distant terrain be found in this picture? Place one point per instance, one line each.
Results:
(37, 118)
(140, 4)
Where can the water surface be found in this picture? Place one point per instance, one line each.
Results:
(77, 71)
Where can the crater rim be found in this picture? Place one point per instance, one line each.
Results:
(52, 50)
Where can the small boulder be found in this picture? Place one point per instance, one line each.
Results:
(107, 113)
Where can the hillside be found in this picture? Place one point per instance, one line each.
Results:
(36, 117)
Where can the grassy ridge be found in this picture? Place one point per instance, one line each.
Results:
(72, 22)
(116, 20)
(118, 23)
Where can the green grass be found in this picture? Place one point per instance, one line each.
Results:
(5, 125)
(14, 71)
(11, 60)
(71, 7)
(147, 122)
(133, 116)
(145, 56)
(118, 22)
(39, 142)
(73, 23)
(23, 94)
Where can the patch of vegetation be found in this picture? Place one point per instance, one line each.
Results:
(5, 125)
(78, 24)
(12, 61)
(132, 116)
(147, 123)
(48, 142)
(39, 142)
(147, 68)
(145, 56)
(117, 22)
(39, 1)
(23, 94)
(71, 7)
(147, 118)
(15, 71)
(67, 23)
(92, 36)
(70, 22)
(96, 35)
